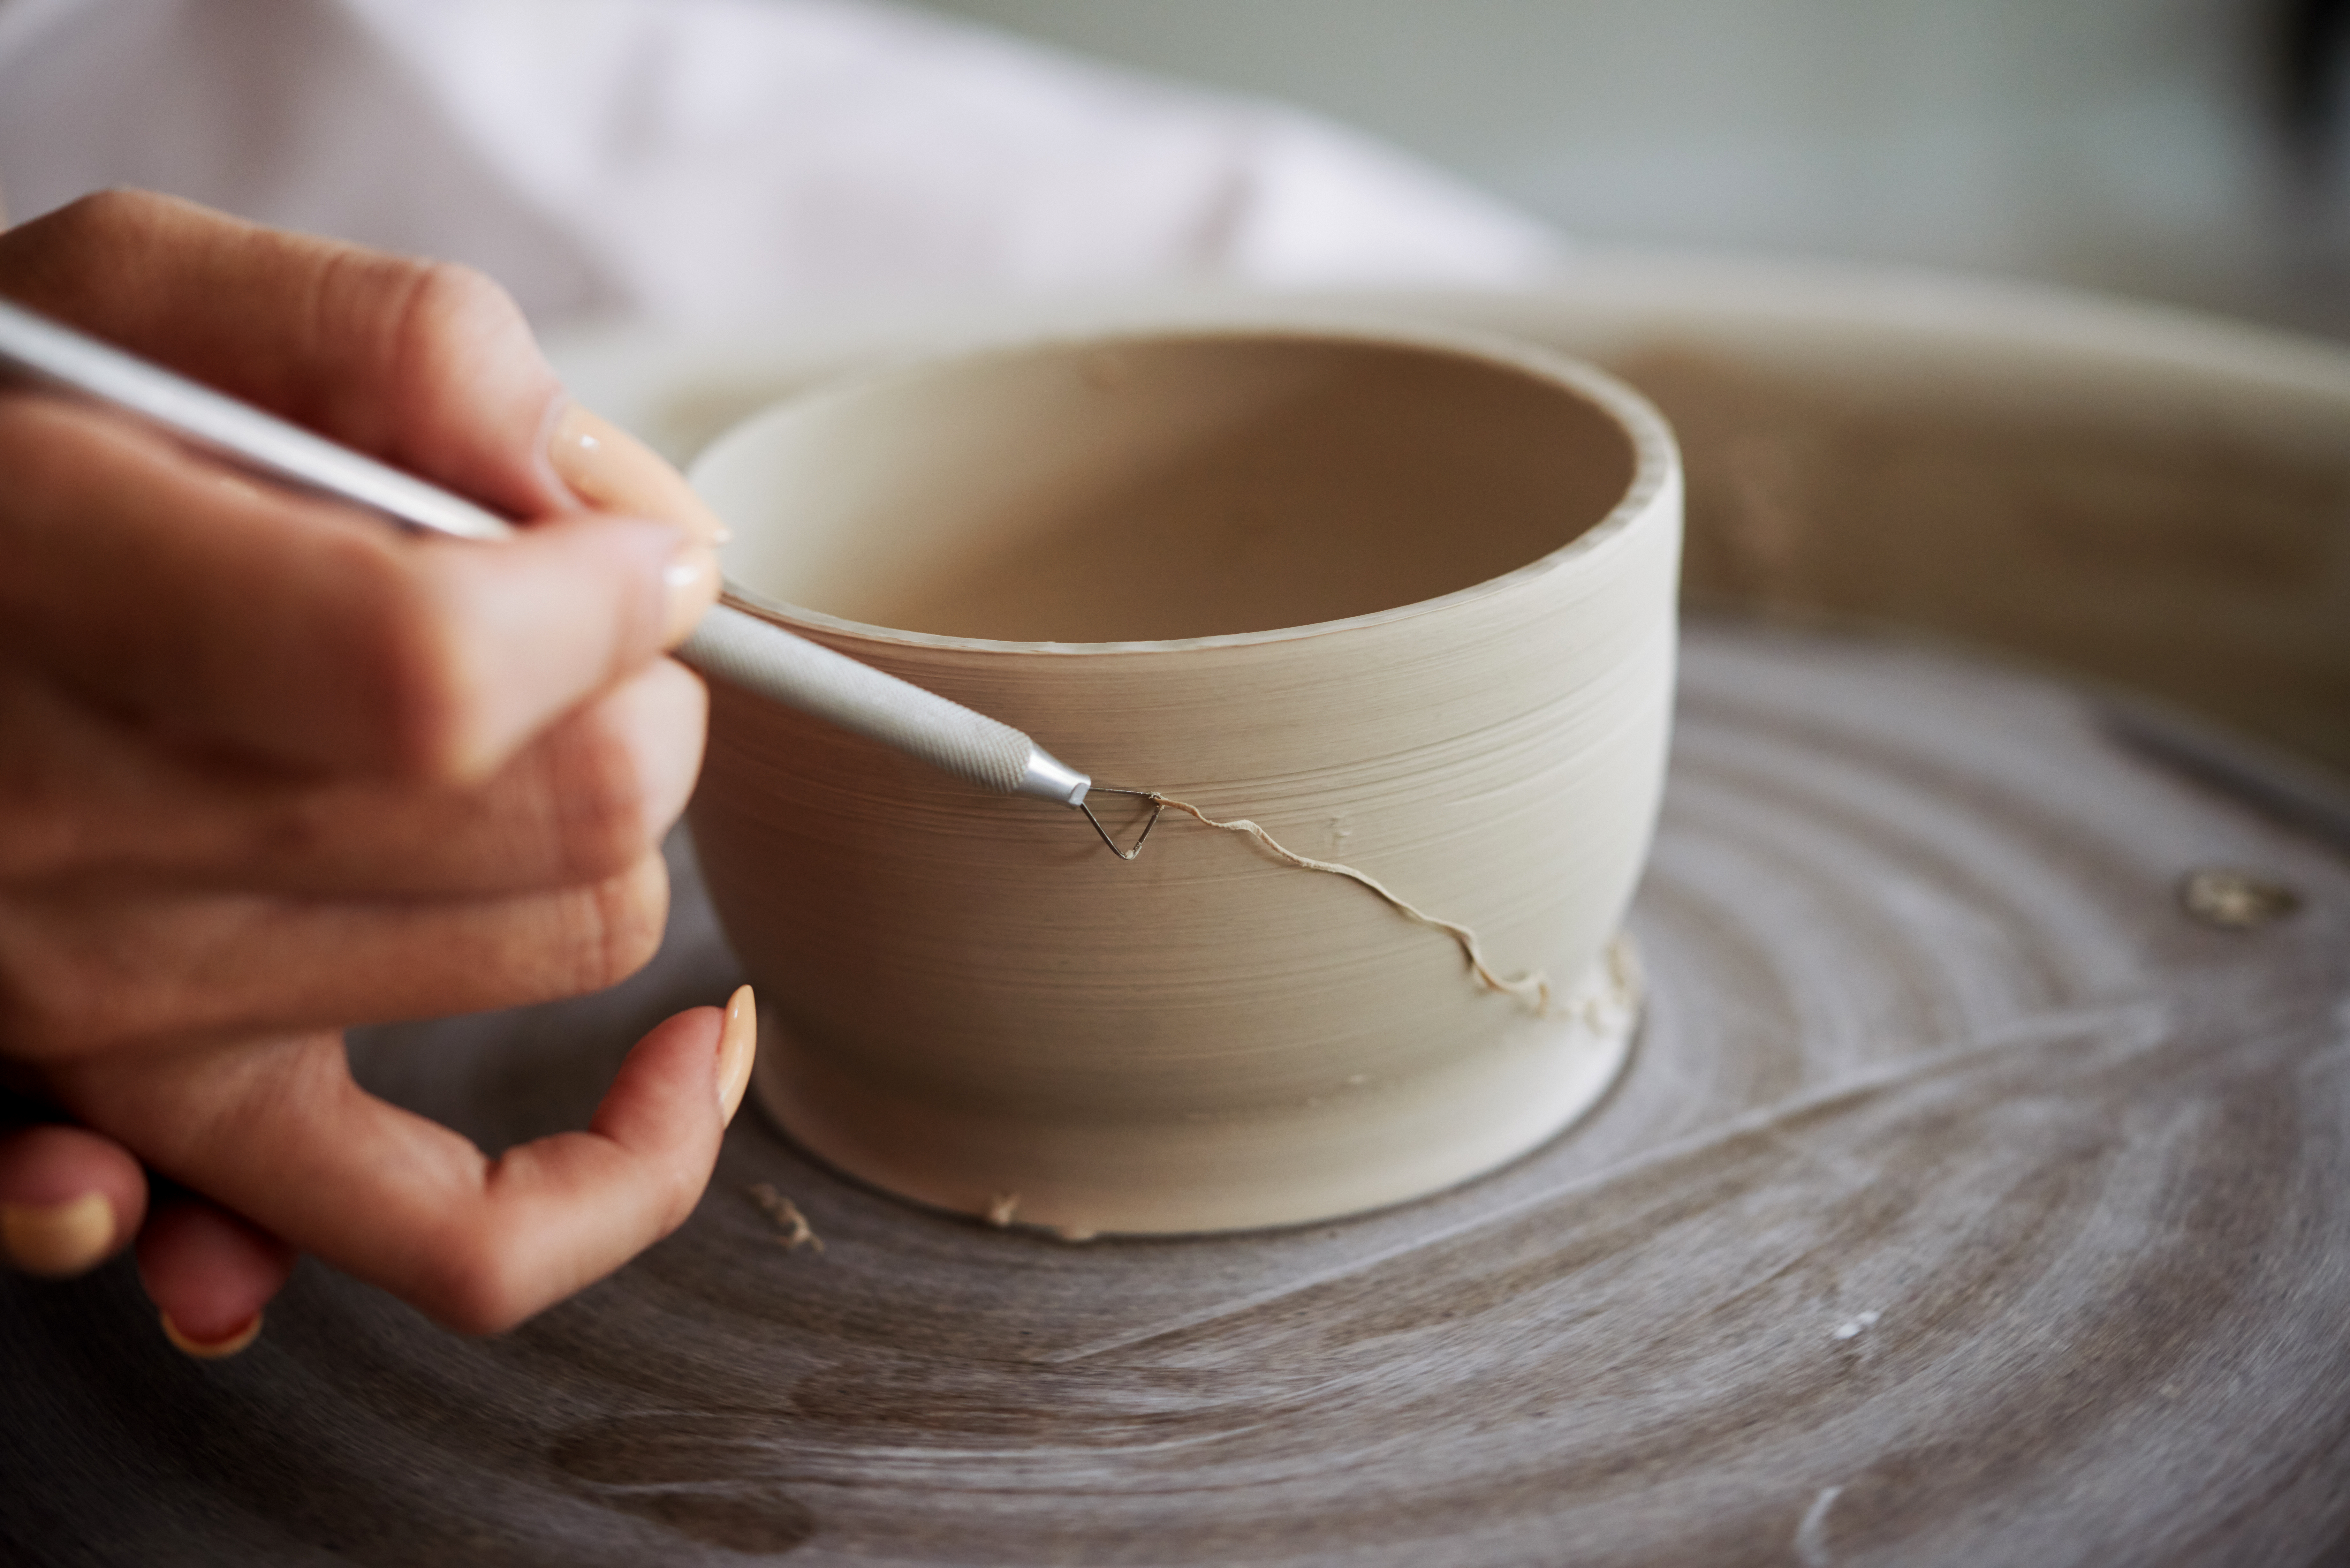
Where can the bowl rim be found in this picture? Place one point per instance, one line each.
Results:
(1655, 477)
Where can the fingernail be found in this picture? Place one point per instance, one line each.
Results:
(738, 1046)
(213, 1349)
(57, 1239)
(691, 582)
(612, 470)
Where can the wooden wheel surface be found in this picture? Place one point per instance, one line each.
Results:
(1967, 1200)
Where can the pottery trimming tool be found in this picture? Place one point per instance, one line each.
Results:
(742, 648)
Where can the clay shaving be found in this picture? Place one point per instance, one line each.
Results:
(1532, 989)
(797, 1231)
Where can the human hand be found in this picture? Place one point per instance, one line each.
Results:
(269, 767)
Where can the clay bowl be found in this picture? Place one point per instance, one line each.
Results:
(1404, 599)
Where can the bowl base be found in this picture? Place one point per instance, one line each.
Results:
(1365, 1145)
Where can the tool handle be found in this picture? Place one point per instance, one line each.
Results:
(768, 662)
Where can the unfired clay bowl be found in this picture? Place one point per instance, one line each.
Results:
(1405, 599)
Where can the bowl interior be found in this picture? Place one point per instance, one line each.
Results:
(1161, 488)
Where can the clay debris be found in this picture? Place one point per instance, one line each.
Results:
(796, 1230)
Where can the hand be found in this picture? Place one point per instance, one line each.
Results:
(269, 767)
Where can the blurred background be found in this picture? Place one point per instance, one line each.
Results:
(2196, 152)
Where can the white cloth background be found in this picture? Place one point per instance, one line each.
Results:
(700, 160)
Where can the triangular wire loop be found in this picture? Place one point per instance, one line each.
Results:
(1157, 807)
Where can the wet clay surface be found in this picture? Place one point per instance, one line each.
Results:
(1967, 1200)
(1203, 488)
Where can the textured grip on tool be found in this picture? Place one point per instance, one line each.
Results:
(763, 658)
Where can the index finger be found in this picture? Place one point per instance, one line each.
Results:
(304, 632)
(428, 366)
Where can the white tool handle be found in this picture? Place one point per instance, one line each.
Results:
(768, 662)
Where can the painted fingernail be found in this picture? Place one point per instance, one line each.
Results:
(612, 470)
(57, 1239)
(229, 1343)
(738, 1046)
